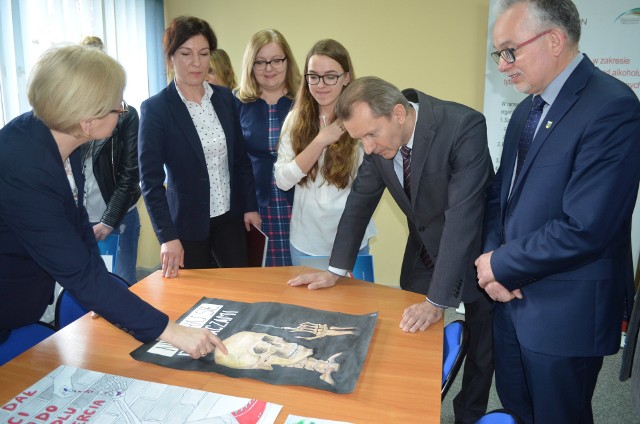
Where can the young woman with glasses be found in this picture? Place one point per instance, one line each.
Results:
(317, 156)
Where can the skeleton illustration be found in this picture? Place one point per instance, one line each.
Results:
(251, 350)
(318, 330)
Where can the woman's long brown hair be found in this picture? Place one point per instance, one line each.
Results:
(340, 158)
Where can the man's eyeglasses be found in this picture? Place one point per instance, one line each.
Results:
(124, 108)
(507, 54)
(329, 79)
(276, 63)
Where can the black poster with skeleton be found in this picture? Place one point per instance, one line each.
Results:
(275, 343)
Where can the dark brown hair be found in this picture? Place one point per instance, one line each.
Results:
(183, 28)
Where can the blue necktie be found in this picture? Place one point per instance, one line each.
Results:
(529, 131)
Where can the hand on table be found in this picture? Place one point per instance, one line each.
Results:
(420, 317)
(172, 257)
(315, 280)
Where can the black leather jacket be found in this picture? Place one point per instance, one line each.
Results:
(115, 166)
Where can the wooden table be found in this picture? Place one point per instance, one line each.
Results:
(400, 380)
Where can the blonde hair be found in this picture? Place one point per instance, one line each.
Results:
(73, 83)
(249, 90)
(222, 68)
(93, 41)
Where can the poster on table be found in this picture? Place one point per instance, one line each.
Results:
(73, 395)
(275, 343)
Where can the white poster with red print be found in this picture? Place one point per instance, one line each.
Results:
(72, 395)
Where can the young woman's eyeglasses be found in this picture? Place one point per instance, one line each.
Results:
(276, 63)
(507, 54)
(329, 79)
(124, 108)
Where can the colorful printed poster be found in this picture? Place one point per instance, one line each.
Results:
(70, 394)
(275, 343)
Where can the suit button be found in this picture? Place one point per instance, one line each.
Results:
(421, 229)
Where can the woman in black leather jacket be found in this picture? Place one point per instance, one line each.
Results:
(112, 190)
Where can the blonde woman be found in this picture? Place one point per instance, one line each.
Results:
(270, 79)
(220, 70)
(76, 95)
(317, 156)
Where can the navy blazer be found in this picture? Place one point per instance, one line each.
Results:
(450, 172)
(254, 120)
(563, 236)
(168, 140)
(45, 237)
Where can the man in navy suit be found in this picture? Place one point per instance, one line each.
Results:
(558, 218)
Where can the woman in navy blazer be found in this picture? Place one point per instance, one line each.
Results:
(270, 79)
(191, 130)
(45, 235)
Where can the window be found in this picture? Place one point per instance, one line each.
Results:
(131, 31)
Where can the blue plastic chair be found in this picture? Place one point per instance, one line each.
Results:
(363, 268)
(499, 416)
(23, 338)
(456, 342)
(68, 309)
(109, 246)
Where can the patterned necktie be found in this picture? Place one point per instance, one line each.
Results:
(529, 131)
(406, 174)
(406, 169)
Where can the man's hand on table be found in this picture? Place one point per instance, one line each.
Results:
(315, 280)
(420, 317)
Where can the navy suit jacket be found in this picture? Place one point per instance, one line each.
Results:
(168, 140)
(563, 236)
(450, 172)
(45, 237)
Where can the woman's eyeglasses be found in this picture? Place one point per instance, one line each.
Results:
(124, 108)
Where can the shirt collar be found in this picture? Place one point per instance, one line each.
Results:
(550, 93)
(415, 106)
(208, 91)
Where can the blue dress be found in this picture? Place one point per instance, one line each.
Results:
(261, 124)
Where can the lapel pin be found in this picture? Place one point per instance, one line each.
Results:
(549, 123)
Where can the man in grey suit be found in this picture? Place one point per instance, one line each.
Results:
(450, 170)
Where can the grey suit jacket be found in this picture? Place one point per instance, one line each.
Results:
(450, 171)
